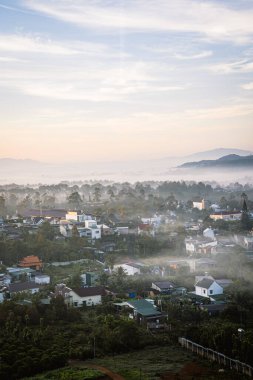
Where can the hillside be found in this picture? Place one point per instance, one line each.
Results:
(229, 161)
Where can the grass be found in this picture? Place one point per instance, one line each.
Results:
(150, 364)
(69, 374)
(147, 364)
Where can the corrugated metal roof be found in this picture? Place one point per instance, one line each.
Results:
(143, 307)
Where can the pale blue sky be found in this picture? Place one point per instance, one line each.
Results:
(124, 79)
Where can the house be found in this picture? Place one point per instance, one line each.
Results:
(31, 262)
(208, 287)
(90, 296)
(106, 230)
(42, 279)
(20, 287)
(17, 274)
(94, 228)
(163, 287)
(88, 228)
(130, 268)
(227, 216)
(200, 245)
(155, 221)
(142, 311)
(198, 203)
(213, 308)
(5, 279)
(122, 230)
(78, 216)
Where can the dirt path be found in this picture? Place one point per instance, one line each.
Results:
(106, 371)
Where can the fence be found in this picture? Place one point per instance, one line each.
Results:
(217, 357)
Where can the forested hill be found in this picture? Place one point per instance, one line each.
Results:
(231, 160)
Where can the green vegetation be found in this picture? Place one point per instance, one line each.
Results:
(69, 374)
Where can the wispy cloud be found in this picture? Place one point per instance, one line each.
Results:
(11, 59)
(247, 86)
(39, 44)
(216, 21)
(203, 54)
(242, 66)
(14, 9)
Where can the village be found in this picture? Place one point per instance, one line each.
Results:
(165, 271)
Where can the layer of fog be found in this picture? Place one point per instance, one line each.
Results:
(120, 172)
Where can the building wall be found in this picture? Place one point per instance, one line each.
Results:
(226, 217)
(199, 205)
(42, 279)
(130, 271)
(77, 301)
(213, 290)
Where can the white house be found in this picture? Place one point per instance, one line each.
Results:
(208, 287)
(227, 216)
(88, 228)
(122, 230)
(78, 216)
(130, 268)
(155, 221)
(94, 228)
(198, 203)
(200, 245)
(90, 296)
(19, 287)
(42, 279)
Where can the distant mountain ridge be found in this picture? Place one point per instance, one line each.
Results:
(230, 160)
(215, 154)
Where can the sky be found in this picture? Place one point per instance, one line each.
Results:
(108, 80)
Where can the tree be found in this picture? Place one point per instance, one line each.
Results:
(46, 231)
(2, 206)
(246, 223)
(24, 204)
(74, 200)
(97, 193)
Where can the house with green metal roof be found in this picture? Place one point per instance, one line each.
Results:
(142, 311)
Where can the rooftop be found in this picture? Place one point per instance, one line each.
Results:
(205, 283)
(91, 291)
(143, 307)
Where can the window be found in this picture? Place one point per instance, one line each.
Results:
(211, 291)
(204, 291)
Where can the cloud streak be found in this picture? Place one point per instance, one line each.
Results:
(212, 20)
